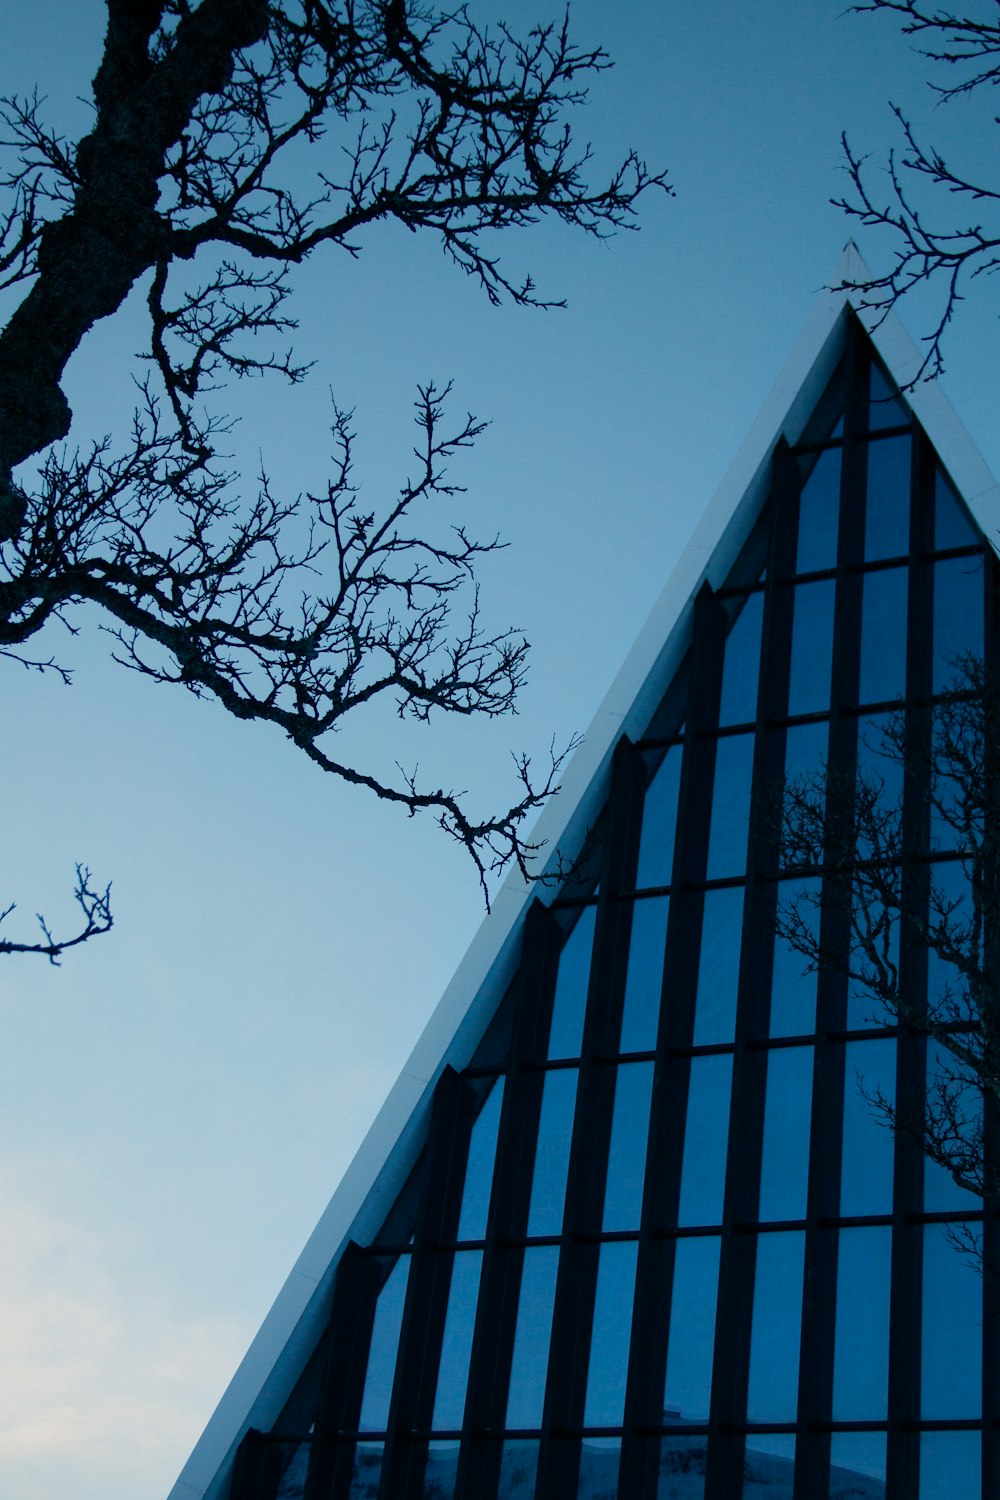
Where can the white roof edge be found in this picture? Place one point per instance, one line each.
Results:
(266, 1376)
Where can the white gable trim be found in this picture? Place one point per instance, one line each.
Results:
(268, 1373)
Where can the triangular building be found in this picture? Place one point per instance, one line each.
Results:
(627, 1226)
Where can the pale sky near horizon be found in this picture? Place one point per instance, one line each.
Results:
(178, 1101)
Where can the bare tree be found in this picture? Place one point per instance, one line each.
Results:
(943, 222)
(942, 896)
(294, 611)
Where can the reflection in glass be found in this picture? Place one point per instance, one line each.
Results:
(857, 1466)
(819, 508)
(769, 1466)
(774, 1339)
(741, 664)
(692, 1329)
(885, 409)
(805, 755)
(288, 1465)
(793, 986)
(812, 648)
(865, 1009)
(878, 761)
(958, 616)
(627, 1153)
(644, 976)
(570, 1002)
(599, 1461)
(887, 507)
(703, 1173)
(479, 1169)
(518, 1469)
(883, 635)
(719, 966)
(441, 1471)
(383, 1349)
(787, 1109)
(861, 1347)
(866, 1171)
(367, 1471)
(526, 1395)
(951, 1465)
(659, 823)
(727, 836)
(682, 1467)
(942, 1193)
(555, 1129)
(456, 1345)
(953, 527)
(951, 1368)
(951, 896)
(612, 1329)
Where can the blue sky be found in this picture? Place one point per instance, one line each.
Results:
(179, 1099)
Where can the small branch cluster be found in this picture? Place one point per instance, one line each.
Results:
(93, 903)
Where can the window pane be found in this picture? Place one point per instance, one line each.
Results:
(883, 636)
(777, 1314)
(719, 966)
(570, 1003)
(612, 1331)
(555, 1129)
(741, 664)
(703, 1173)
(951, 1465)
(383, 1349)
(857, 1466)
(367, 1471)
(787, 1109)
(441, 1471)
(819, 509)
(456, 1346)
(861, 1350)
(627, 1154)
(812, 648)
(692, 1330)
(951, 1379)
(942, 1193)
(659, 820)
(518, 1469)
(529, 1364)
(953, 526)
(885, 409)
(479, 1170)
(682, 1468)
(958, 617)
(793, 986)
(727, 838)
(769, 1466)
(599, 1461)
(887, 507)
(805, 753)
(644, 977)
(866, 1175)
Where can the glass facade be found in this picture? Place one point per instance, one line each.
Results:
(660, 1244)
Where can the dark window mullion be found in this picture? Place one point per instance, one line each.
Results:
(359, 1278)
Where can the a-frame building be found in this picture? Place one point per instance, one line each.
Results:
(626, 1225)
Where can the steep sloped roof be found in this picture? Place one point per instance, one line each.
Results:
(273, 1364)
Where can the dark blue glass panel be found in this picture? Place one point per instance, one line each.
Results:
(819, 510)
(367, 1471)
(659, 823)
(627, 1154)
(456, 1346)
(885, 409)
(383, 1349)
(479, 1170)
(953, 526)
(703, 1172)
(727, 838)
(787, 1109)
(518, 1469)
(942, 1193)
(555, 1130)
(857, 1466)
(958, 618)
(287, 1467)
(866, 1175)
(793, 985)
(681, 1473)
(570, 1003)
(951, 1465)
(529, 1365)
(951, 1368)
(812, 648)
(861, 1346)
(887, 507)
(805, 754)
(441, 1471)
(599, 1461)
(864, 1009)
(612, 1331)
(741, 664)
(951, 904)
(719, 966)
(883, 635)
(688, 1386)
(769, 1466)
(880, 774)
(644, 976)
(775, 1331)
